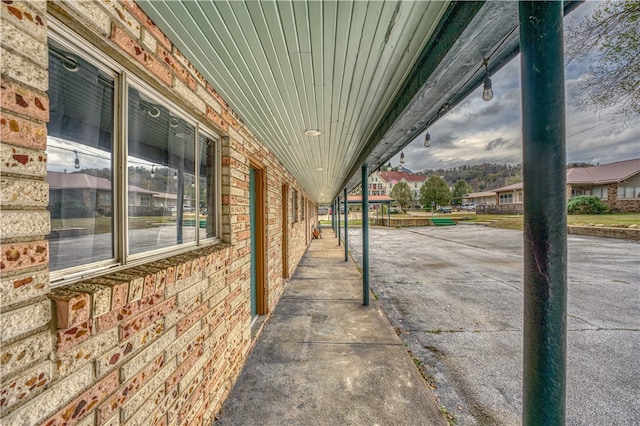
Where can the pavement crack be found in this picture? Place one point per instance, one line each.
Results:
(502, 282)
(583, 320)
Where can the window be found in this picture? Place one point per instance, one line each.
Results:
(628, 192)
(166, 196)
(600, 192)
(506, 198)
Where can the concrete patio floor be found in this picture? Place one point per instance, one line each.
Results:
(325, 359)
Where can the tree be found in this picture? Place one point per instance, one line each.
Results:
(611, 36)
(402, 194)
(460, 188)
(435, 190)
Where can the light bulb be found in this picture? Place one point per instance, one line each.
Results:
(487, 91)
(427, 140)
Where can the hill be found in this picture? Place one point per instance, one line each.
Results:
(481, 177)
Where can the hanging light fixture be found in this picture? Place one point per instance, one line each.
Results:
(76, 162)
(427, 140)
(402, 157)
(153, 171)
(175, 175)
(487, 91)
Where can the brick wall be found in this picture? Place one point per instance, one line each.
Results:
(160, 343)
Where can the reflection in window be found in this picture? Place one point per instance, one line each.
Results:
(161, 208)
(165, 194)
(79, 163)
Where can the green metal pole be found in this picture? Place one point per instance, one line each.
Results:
(545, 220)
(346, 227)
(365, 237)
(333, 216)
(338, 209)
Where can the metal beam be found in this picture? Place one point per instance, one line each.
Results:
(365, 236)
(545, 220)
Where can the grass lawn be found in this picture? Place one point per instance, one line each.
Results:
(515, 222)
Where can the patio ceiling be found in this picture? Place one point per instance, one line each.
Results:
(371, 76)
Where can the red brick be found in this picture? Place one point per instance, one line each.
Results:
(128, 311)
(230, 119)
(23, 101)
(106, 321)
(183, 270)
(72, 336)
(182, 370)
(243, 235)
(178, 69)
(135, 325)
(217, 119)
(72, 307)
(142, 17)
(17, 256)
(217, 97)
(129, 45)
(186, 323)
(23, 132)
(119, 290)
(125, 392)
(74, 411)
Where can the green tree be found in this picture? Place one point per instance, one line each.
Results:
(610, 36)
(402, 194)
(435, 190)
(460, 188)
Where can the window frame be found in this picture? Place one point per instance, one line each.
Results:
(123, 81)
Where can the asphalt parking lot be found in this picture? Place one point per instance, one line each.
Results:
(455, 296)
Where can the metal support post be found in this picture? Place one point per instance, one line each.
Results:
(333, 216)
(365, 237)
(338, 213)
(545, 220)
(346, 227)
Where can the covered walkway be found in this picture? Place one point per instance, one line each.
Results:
(325, 359)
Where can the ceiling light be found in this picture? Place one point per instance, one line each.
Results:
(313, 133)
(153, 112)
(427, 140)
(487, 91)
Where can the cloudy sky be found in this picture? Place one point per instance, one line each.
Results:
(476, 131)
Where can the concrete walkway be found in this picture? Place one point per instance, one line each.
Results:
(324, 359)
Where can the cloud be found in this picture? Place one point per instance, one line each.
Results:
(498, 144)
(475, 131)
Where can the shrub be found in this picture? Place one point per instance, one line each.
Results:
(587, 204)
(70, 209)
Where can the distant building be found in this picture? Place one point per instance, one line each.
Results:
(616, 184)
(381, 183)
